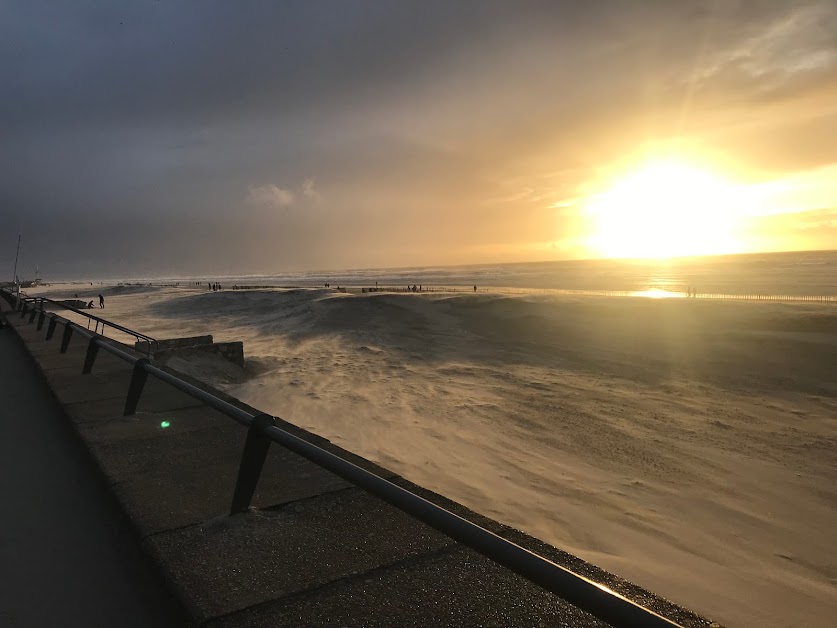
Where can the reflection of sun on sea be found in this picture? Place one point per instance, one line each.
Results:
(665, 209)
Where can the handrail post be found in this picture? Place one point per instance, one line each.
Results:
(51, 327)
(65, 339)
(32, 314)
(23, 309)
(138, 378)
(41, 318)
(252, 461)
(90, 357)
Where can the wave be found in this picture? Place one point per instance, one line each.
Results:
(736, 344)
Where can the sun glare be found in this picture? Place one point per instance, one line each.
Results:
(665, 209)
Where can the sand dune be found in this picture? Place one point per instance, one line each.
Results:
(689, 446)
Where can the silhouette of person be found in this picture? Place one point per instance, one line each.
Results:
(101, 301)
(475, 288)
(90, 305)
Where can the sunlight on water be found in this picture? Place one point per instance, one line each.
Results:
(656, 293)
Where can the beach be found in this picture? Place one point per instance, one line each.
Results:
(687, 445)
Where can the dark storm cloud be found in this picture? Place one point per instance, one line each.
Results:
(147, 125)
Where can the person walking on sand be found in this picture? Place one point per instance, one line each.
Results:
(475, 288)
(101, 301)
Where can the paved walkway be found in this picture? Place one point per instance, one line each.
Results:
(67, 555)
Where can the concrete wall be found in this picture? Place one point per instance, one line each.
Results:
(175, 343)
(231, 351)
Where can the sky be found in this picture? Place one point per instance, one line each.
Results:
(178, 138)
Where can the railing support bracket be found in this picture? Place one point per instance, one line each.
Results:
(65, 339)
(138, 378)
(90, 357)
(51, 328)
(252, 461)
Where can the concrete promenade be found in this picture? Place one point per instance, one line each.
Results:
(68, 556)
(314, 550)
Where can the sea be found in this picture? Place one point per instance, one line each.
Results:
(808, 273)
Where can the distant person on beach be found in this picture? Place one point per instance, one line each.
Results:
(90, 305)
(101, 301)
(475, 288)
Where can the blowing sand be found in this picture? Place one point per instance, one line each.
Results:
(688, 446)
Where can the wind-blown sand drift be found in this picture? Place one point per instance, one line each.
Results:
(688, 446)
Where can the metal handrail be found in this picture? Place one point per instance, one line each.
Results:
(138, 335)
(594, 598)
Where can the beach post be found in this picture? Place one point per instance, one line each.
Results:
(41, 318)
(252, 461)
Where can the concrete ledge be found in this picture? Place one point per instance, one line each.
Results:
(230, 351)
(291, 549)
(433, 590)
(173, 343)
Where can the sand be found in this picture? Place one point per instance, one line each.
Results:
(688, 446)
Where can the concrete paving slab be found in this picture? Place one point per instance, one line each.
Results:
(95, 411)
(130, 446)
(233, 563)
(148, 424)
(457, 587)
(194, 485)
(70, 386)
(169, 499)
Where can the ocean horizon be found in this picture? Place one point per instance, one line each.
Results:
(795, 273)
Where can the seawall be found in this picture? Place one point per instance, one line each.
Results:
(314, 550)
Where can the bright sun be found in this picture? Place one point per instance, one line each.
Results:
(665, 209)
